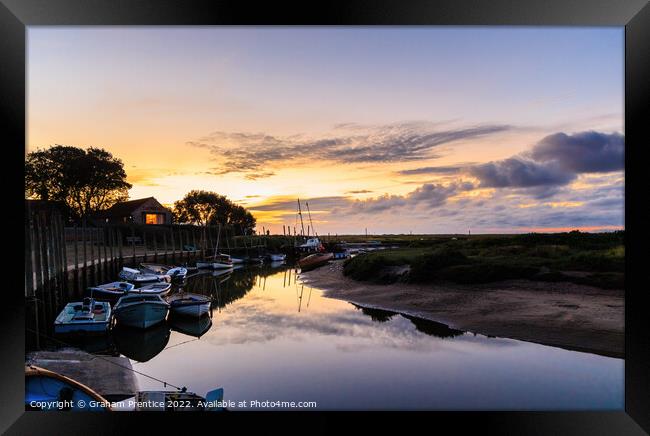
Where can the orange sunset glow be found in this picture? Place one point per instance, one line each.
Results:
(373, 130)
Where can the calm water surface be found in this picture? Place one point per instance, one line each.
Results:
(272, 338)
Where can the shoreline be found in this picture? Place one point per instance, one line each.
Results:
(559, 314)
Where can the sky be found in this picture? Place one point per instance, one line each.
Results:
(390, 129)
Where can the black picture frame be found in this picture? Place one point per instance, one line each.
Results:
(15, 15)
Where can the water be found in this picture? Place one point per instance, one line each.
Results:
(272, 338)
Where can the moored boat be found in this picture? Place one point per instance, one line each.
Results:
(218, 261)
(140, 310)
(87, 316)
(314, 261)
(161, 289)
(110, 292)
(183, 401)
(277, 257)
(177, 273)
(188, 304)
(49, 390)
(138, 277)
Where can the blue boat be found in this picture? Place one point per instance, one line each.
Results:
(87, 316)
(48, 390)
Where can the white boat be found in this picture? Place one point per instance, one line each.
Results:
(109, 291)
(177, 273)
(88, 316)
(161, 289)
(140, 310)
(278, 257)
(312, 244)
(188, 304)
(137, 276)
(218, 261)
(236, 260)
(179, 401)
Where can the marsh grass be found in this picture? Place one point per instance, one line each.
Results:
(585, 258)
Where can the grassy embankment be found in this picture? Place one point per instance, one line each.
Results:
(596, 259)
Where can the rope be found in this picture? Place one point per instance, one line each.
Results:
(113, 363)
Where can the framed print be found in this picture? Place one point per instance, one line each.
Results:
(430, 211)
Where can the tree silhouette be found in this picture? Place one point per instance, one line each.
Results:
(85, 180)
(209, 208)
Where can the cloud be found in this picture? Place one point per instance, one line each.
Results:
(347, 143)
(553, 162)
(517, 172)
(360, 191)
(584, 152)
(431, 170)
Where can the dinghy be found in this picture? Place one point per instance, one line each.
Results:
(218, 261)
(49, 390)
(188, 304)
(138, 277)
(140, 310)
(177, 273)
(161, 289)
(87, 316)
(313, 261)
(175, 401)
(109, 291)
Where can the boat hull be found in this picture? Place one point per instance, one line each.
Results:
(82, 327)
(141, 315)
(213, 265)
(195, 310)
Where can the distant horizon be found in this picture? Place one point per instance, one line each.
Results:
(429, 130)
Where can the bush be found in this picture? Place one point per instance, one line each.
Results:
(486, 272)
(426, 266)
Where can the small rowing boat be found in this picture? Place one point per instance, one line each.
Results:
(138, 277)
(140, 310)
(49, 390)
(161, 289)
(218, 261)
(313, 261)
(87, 316)
(110, 292)
(188, 304)
(177, 273)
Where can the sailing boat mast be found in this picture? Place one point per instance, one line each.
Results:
(300, 213)
(310, 222)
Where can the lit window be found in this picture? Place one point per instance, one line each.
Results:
(154, 218)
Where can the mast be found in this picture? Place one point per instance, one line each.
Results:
(300, 213)
(310, 222)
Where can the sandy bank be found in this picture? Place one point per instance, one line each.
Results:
(566, 315)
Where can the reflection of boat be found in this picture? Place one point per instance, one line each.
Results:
(87, 316)
(161, 289)
(49, 390)
(188, 304)
(141, 345)
(138, 277)
(140, 310)
(182, 401)
(177, 273)
(191, 326)
(109, 291)
(314, 261)
(277, 257)
(276, 264)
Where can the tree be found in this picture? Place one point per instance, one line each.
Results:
(209, 208)
(85, 180)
